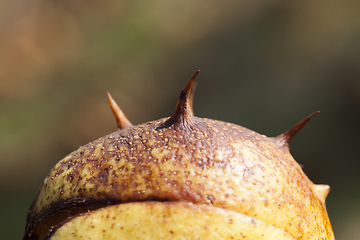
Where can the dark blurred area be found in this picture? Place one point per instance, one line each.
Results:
(264, 65)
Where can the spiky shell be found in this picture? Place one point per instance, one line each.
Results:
(185, 159)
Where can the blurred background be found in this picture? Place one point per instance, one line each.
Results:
(264, 65)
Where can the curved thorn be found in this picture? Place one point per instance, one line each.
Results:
(121, 120)
(183, 113)
(286, 137)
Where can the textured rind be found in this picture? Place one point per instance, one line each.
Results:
(165, 221)
(205, 162)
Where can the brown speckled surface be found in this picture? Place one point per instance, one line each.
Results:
(165, 220)
(207, 162)
(185, 158)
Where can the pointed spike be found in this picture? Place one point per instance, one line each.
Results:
(286, 137)
(121, 120)
(322, 191)
(191, 97)
(183, 113)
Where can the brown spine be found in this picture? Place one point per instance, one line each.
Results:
(285, 138)
(183, 113)
(121, 120)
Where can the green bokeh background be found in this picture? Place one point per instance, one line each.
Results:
(264, 65)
